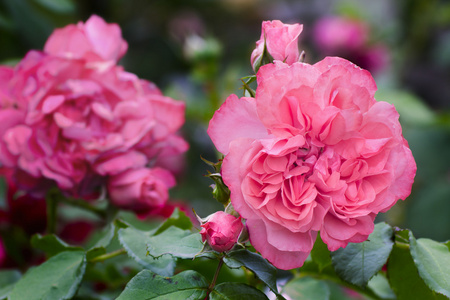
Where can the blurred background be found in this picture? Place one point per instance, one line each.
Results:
(197, 50)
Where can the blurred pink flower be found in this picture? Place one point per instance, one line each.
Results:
(314, 151)
(221, 230)
(76, 117)
(141, 190)
(280, 41)
(351, 39)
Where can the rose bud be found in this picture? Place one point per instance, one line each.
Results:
(221, 230)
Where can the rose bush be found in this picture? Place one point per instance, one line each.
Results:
(313, 151)
(279, 40)
(221, 230)
(73, 117)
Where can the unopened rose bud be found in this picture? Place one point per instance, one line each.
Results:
(221, 230)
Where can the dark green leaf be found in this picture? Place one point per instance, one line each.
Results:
(177, 219)
(135, 243)
(7, 281)
(266, 272)
(102, 238)
(176, 242)
(357, 263)
(58, 6)
(320, 254)
(432, 259)
(51, 244)
(57, 278)
(148, 285)
(236, 291)
(307, 288)
(403, 275)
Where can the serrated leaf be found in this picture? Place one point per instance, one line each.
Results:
(177, 219)
(432, 259)
(357, 263)
(403, 275)
(236, 291)
(57, 278)
(7, 281)
(176, 242)
(320, 254)
(265, 271)
(148, 285)
(51, 244)
(135, 243)
(307, 288)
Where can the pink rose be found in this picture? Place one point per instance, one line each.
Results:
(221, 230)
(334, 34)
(79, 117)
(314, 151)
(280, 40)
(93, 40)
(141, 190)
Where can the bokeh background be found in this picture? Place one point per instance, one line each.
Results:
(196, 51)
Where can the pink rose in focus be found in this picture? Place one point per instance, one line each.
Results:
(313, 151)
(140, 190)
(280, 40)
(221, 230)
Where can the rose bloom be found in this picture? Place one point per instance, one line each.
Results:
(141, 189)
(76, 117)
(221, 230)
(280, 40)
(313, 151)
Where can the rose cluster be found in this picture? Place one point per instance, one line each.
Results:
(72, 117)
(312, 152)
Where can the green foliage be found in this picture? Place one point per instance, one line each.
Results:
(402, 273)
(307, 288)
(7, 281)
(135, 243)
(256, 263)
(51, 244)
(357, 263)
(57, 278)
(177, 219)
(148, 285)
(432, 259)
(236, 291)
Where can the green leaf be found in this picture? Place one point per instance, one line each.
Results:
(307, 288)
(135, 243)
(148, 285)
(320, 254)
(57, 278)
(177, 219)
(236, 291)
(402, 273)
(357, 263)
(103, 238)
(7, 281)
(380, 286)
(51, 244)
(265, 271)
(58, 6)
(432, 259)
(176, 242)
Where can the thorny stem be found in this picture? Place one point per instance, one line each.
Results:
(106, 256)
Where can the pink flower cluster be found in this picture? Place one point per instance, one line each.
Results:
(72, 117)
(313, 151)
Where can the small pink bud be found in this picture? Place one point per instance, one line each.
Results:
(221, 230)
